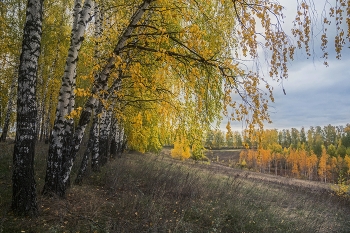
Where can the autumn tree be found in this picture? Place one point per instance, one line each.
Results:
(303, 161)
(63, 126)
(293, 160)
(347, 164)
(323, 165)
(185, 46)
(312, 161)
(12, 17)
(55, 43)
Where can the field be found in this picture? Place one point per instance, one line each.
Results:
(155, 193)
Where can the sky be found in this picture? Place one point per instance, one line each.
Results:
(316, 95)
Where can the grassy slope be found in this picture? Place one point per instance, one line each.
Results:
(147, 193)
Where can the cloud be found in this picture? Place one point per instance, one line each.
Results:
(316, 94)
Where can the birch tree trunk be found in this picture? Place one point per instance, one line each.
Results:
(105, 125)
(24, 200)
(62, 129)
(95, 158)
(39, 94)
(95, 165)
(47, 121)
(85, 160)
(113, 144)
(9, 109)
(100, 82)
(118, 141)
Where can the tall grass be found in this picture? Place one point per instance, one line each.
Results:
(149, 193)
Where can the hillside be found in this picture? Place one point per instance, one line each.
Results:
(155, 193)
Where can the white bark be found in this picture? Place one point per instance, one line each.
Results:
(9, 108)
(85, 160)
(118, 139)
(95, 165)
(24, 187)
(99, 84)
(105, 125)
(61, 133)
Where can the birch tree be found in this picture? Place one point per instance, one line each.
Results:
(24, 187)
(176, 40)
(55, 43)
(62, 155)
(63, 127)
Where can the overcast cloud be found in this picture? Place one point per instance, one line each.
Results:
(315, 94)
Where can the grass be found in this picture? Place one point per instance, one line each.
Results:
(149, 193)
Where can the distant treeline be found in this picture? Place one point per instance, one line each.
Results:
(320, 153)
(336, 139)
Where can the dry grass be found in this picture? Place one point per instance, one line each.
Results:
(148, 193)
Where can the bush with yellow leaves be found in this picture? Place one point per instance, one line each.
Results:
(181, 149)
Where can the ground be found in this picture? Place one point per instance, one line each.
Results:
(155, 193)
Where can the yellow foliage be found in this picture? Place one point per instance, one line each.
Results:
(181, 149)
(243, 163)
(74, 113)
(183, 66)
(295, 169)
(323, 165)
(80, 92)
(347, 161)
(341, 188)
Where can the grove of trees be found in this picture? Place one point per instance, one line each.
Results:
(318, 154)
(139, 73)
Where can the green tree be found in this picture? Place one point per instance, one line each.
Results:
(280, 137)
(287, 138)
(332, 150)
(318, 141)
(238, 142)
(209, 139)
(302, 136)
(341, 151)
(310, 138)
(345, 140)
(219, 139)
(330, 135)
(229, 135)
(295, 138)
